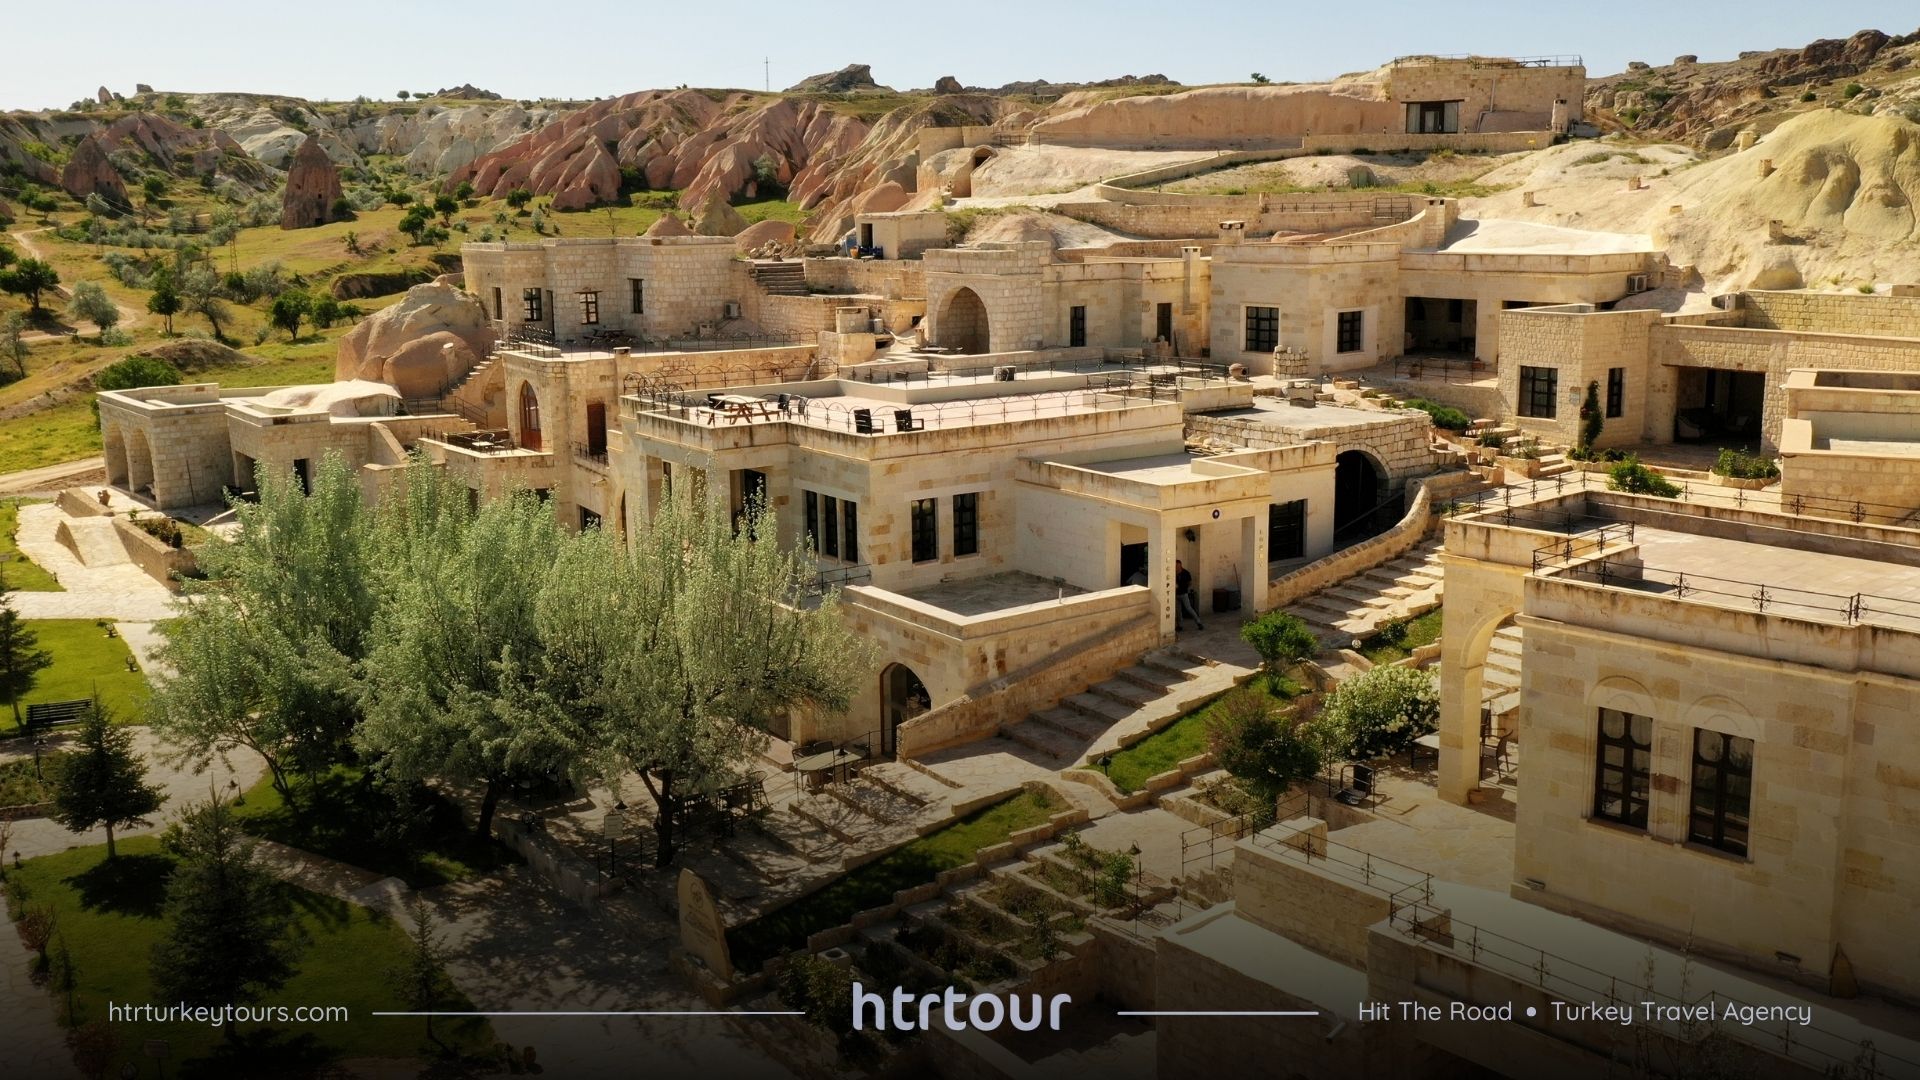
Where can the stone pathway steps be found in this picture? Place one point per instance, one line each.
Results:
(1354, 608)
(1500, 677)
(1092, 722)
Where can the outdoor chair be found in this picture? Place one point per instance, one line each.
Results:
(1356, 785)
(1495, 756)
(903, 421)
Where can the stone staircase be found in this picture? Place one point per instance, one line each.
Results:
(1500, 676)
(1357, 606)
(1071, 730)
(784, 278)
(1551, 464)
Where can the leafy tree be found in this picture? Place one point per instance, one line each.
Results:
(289, 309)
(399, 198)
(403, 94)
(673, 654)
(91, 302)
(132, 372)
(446, 206)
(519, 197)
(450, 676)
(1267, 748)
(420, 978)
(1379, 712)
(341, 210)
(1281, 640)
(165, 301)
(21, 658)
(352, 242)
(13, 341)
(326, 311)
(464, 191)
(29, 278)
(200, 295)
(263, 657)
(1591, 420)
(152, 189)
(1261, 79)
(101, 781)
(415, 223)
(226, 921)
(7, 256)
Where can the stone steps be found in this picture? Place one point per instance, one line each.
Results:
(1047, 740)
(1095, 707)
(1356, 606)
(907, 782)
(1067, 722)
(1154, 679)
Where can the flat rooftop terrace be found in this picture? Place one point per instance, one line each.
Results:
(1800, 583)
(1172, 468)
(1282, 414)
(995, 592)
(1875, 447)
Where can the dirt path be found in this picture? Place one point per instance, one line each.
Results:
(51, 478)
(130, 317)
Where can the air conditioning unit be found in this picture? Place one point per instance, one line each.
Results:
(1636, 283)
(731, 309)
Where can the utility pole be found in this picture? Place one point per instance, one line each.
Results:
(766, 73)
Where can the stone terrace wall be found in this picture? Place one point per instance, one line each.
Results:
(873, 277)
(1832, 313)
(1401, 440)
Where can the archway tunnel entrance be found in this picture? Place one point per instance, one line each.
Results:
(963, 324)
(902, 697)
(1363, 502)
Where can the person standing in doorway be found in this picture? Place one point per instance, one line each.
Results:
(1187, 596)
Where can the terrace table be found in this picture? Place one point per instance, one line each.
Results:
(738, 407)
(816, 768)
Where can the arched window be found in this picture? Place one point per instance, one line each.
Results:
(529, 417)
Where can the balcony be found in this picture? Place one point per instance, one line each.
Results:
(591, 458)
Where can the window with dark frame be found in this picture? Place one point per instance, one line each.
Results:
(497, 308)
(850, 522)
(1163, 322)
(1263, 329)
(1286, 530)
(1616, 392)
(830, 525)
(812, 499)
(1352, 325)
(1722, 791)
(1077, 326)
(639, 287)
(1539, 392)
(926, 531)
(1623, 768)
(966, 524)
(589, 308)
(534, 312)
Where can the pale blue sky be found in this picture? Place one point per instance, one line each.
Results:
(55, 53)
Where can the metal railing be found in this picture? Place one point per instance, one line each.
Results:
(587, 456)
(494, 441)
(1765, 500)
(866, 419)
(839, 577)
(1564, 552)
(1848, 609)
(1452, 369)
(1556, 60)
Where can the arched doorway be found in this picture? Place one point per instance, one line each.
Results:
(139, 462)
(529, 417)
(114, 444)
(962, 324)
(1359, 487)
(902, 697)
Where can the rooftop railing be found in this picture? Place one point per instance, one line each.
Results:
(1828, 508)
(1847, 609)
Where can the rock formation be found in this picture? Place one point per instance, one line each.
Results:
(142, 88)
(466, 92)
(717, 217)
(104, 96)
(758, 235)
(312, 186)
(848, 79)
(432, 337)
(947, 84)
(88, 172)
(668, 225)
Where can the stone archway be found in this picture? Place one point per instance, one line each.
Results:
(902, 697)
(139, 462)
(962, 322)
(1464, 683)
(1360, 483)
(114, 445)
(529, 415)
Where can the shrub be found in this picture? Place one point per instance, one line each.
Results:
(1808, 96)
(1280, 639)
(820, 989)
(1492, 441)
(1267, 748)
(1744, 466)
(1630, 476)
(1852, 90)
(1591, 420)
(1379, 712)
(134, 371)
(1445, 417)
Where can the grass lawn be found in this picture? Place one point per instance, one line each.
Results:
(84, 657)
(65, 432)
(110, 916)
(16, 569)
(343, 816)
(21, 786)
(1396, 640)
(1182, 739)
(875, 883)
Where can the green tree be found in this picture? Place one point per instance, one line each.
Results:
(446, 206)
(101, 782)
(152, 190)
(1260, 79)
(226, 937)
(289, 309)
(1268, 748)
(21, 658)
(91, 302)
(464, 191)
(1630, 476)
(420, 978)
(1379, 712)
(7, 255)
(29, 278)
(403, 94)
(1591, 420)
(200, 295)
(1282, 640)
(450, 676)
(165, 301)
(416, 222)
(518, 198)
(672, 655)
(264, 654)
(326, 311)
(134, 371)
(13, 341)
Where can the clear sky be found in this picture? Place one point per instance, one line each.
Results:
(52, 53)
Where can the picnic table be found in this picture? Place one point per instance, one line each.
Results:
(738, 407)
(815, 769)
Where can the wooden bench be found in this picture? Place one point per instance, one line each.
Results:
(52, 714)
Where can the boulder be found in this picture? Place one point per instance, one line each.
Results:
(947, 84)
(88, 172)
(883, 199)
(313, 184)
(104, 95)
(142, 88)
(761, 233)
(847, 79)
(717, 217)
(668, 225)
(406, 343)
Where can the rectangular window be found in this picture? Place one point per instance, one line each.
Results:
(926, 530)
(1286, 530)
(1616, 392)
(812, 499)
(639, 287)
(497, 309)
(1263, 329)
(1352, 324)
(530, 299)
(1722, 790)
(1077, 326)
(1539, 392)
(1623, 768)
(830, 525)
(1163, 322)
(966, 524)
(589, 308)
(850, 521)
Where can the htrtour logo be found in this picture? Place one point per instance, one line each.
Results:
(985, 1012)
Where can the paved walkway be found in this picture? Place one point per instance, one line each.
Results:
(110, 588)
(32, 1043)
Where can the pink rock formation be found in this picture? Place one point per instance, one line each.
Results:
(88, 172)
(312, 186)
(425, 367)
(761, 233)
(717, 217)
(668, 225)
(406, 345)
